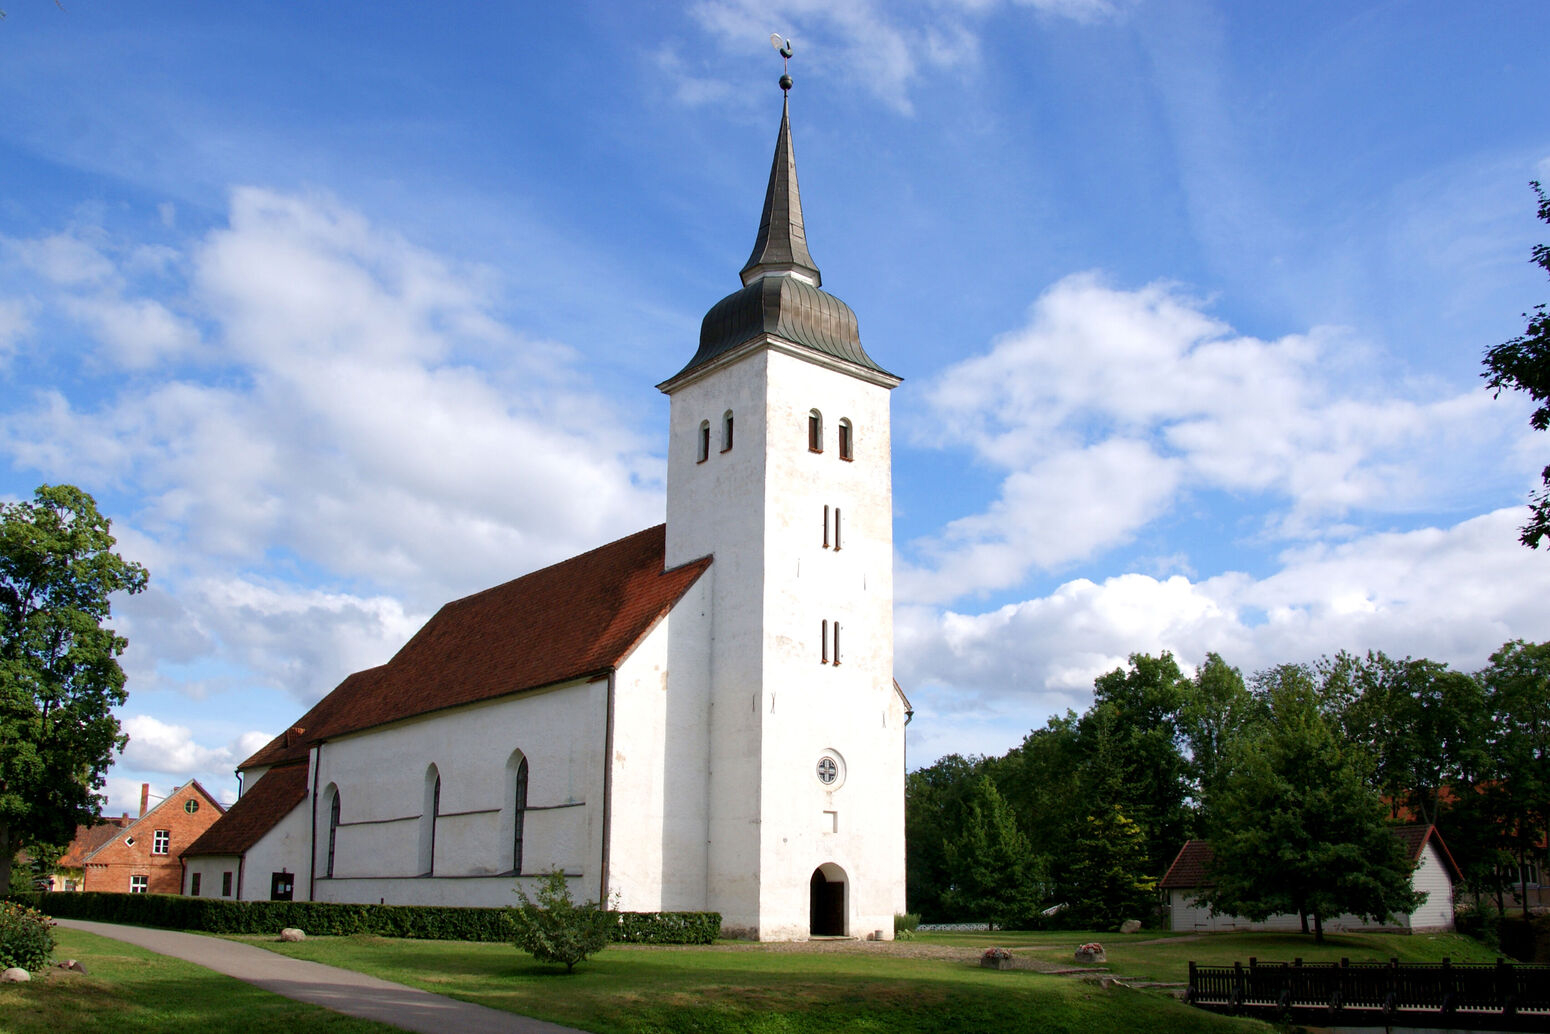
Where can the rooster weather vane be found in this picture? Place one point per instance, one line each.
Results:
(784, 46)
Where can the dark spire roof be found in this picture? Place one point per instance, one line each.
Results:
(781, 246)
(780, 296)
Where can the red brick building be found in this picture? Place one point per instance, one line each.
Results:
(146, 857)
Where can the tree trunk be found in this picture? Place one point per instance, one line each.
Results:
(1303, 915)
(1318, 928)
(1523, 881)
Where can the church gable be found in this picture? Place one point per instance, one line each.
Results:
(577, 618)
(276, 793)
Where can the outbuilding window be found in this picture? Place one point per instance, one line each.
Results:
(193, 884)
(139, 884)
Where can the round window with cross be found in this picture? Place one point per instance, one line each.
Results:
(831, 770)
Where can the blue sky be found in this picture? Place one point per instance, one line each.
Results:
(344, 311)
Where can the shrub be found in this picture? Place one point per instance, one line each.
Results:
(905, 922)
(556, 929)
(327, 918)
(25, 940)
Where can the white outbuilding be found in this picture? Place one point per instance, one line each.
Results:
(699, 716)
(1434, 874)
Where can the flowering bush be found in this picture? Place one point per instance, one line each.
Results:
(996, 953)
(25, 940)
(1092, 946)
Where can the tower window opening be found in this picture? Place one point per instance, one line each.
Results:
(814, 431)
(704, 442)
(836, 644)
(845, 440)
(836, 532)
(726, 431)
(823, 640)
(825, 527)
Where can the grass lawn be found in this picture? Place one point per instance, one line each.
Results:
(128, 990)
(1167, 957)
(761, 990)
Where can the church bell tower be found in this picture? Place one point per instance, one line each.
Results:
(779, 467)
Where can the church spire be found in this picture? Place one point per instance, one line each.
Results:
(782, 243)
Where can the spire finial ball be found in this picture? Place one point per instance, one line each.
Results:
(785, 83)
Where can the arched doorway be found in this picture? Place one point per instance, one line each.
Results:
(826, 901)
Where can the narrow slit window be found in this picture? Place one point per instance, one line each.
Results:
(836, 643)
(836, 532)
(825, 527)
(845, 440)
(823, 638)
(726, 431)
(519, 800)
(814, 431)
(333, 833)
(703, 452)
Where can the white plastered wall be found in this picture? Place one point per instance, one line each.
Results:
(775, 707)
(210, 868)
(381, 776)
(282, 849)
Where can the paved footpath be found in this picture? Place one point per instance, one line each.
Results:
(342, 990)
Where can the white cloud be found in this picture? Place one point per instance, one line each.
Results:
(1451, 594)
(1109, 404)
(881, 47)
(15, 322)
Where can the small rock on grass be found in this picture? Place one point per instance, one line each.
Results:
(73, 965)
(290, 933)
(1130, 926)
(15, 975)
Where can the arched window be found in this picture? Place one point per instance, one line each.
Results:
(333, 829)
(726, 431)
(428, 815)
(814, 431)
(519, 815)
(845, 440)
(703, 452)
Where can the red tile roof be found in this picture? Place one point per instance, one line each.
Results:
(89, 838)
(1189, 869)
(579, 617)
(255, 813)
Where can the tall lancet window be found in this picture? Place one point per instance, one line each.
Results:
(428, 815)
(814, 431)
(726, 431)
(519, 815)
(333, 830)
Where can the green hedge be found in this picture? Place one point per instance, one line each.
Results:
(425, 922)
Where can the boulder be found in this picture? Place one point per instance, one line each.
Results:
(15, 975)
(73, 966)
(1130, 926)
(290, 933)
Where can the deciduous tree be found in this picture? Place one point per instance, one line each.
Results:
(1294, 824)
(1523, 364)
(59, 673)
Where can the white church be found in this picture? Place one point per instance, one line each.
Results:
(701, 716)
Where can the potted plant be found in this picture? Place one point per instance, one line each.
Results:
(996, 958)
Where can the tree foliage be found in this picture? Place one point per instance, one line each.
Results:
(994, 874)
(1523, 364)
(1108, 879)
(1295, 825)
(556, 929)
(59, 671)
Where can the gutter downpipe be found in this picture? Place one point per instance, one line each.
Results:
(312, 832)
(608, 779)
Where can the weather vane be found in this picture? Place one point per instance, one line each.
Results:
(784, 46)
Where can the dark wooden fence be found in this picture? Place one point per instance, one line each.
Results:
(1504, 996)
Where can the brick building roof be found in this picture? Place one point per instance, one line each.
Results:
(255, 813)
(1190, 868)
(89, 838)
(578, 618)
